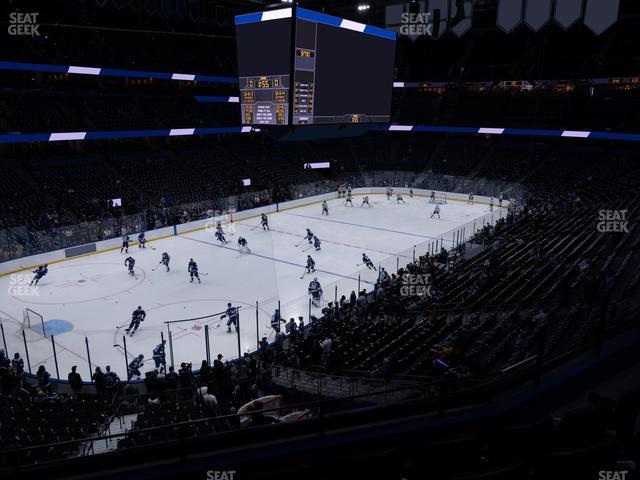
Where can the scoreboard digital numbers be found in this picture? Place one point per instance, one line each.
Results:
(264, 100)
(298, 67)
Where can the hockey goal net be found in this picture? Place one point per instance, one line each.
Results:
(33, 325)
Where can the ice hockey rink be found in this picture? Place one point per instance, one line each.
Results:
(86, 302)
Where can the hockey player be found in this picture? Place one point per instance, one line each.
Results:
(367, 261)
(383, 276)
(316, 243)
(348, 200)
(129, 262)
(399, 199)
(315, 290)
(137, 316)
(193, 270)
(470, 199)
(311, 265)
(40, 272)
(436, 211)
(276, 320)
(134, 367)
(165, 260)
(410, 192)
(125, 244)
(291, 328)
(233, 317)
(491, 204)
(220, 235)
(309, 236)
(432, 198)
(242, 245)
(389, 193)
(159, 357)
(142, 242)
(365, 201)
(325, 208)
(264, 221)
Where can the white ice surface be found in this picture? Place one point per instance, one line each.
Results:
(95, 293)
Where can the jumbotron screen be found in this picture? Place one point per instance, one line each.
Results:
(324, 70)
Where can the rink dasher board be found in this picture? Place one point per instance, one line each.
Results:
(57, 256)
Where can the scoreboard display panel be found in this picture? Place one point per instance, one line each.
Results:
(343, 70)
(264, 67)
(297, 66)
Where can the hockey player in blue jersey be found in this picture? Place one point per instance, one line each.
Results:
(315, 290)
(309, 236)
(142, 242)
(242, 245)
(311, 265)
(192, 268)
(130, 263)
(383, 276)
(325, 208)
(220, 235)
(264, 221)
(367, 261)
(159, 357)
(39, 272)
(137, 316)
(134, 367)
(316, 243)
(276, 320)
(125, 244)
(233, 317)
(165, 260)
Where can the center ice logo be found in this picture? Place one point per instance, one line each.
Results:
(415, 285)
(20, 286)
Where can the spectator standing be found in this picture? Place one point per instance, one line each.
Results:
(75, 382)
(100, 382)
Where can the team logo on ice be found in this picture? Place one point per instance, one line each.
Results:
(415, 285)
(613, 221)
(20, 286)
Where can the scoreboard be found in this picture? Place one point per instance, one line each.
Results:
(264, 66)
(297, 67)
(264, 100)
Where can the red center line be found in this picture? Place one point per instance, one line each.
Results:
(359, 247)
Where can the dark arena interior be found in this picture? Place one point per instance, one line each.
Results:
(320, 239)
